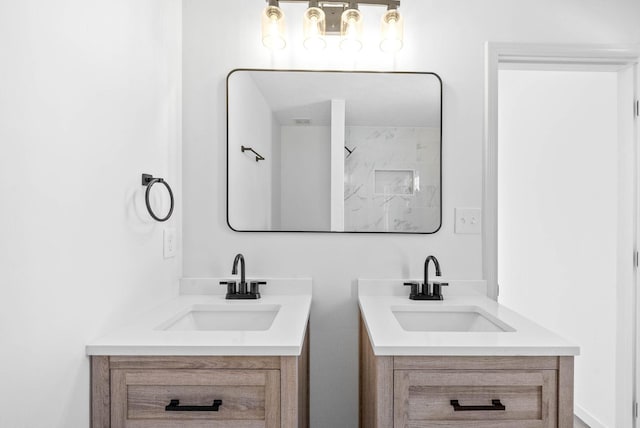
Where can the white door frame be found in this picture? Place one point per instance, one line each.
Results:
(529, 55)
(557, 57)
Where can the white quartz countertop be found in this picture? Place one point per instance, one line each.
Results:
(147, 337)
(377, 298)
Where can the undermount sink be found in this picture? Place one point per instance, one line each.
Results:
(223, 318)
(453, 318)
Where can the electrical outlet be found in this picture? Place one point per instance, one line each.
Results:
(170, 243)
(469, 221)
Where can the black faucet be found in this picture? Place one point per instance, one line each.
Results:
(241, 293)
(425, 285)
(234, 271)
(426, 293)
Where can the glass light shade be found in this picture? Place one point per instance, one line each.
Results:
(351, 30)
(273, 28)
(314, 25)
(392, 31)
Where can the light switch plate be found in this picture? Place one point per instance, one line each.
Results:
(468, 221)
(170, 243)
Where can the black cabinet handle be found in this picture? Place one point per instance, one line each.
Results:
(495, 405)
(174, 406)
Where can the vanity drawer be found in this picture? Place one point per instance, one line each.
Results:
(422, 398)
(250, 398)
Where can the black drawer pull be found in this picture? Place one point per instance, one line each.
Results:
(495, 405)
(174, 406)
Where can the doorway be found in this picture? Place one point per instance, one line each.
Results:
(558, 211)
(565, 215)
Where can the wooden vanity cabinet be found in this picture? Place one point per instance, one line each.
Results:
(255, 392)
(417, 391)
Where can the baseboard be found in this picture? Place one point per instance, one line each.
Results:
(587, 418)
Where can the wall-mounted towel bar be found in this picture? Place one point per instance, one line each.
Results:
(259, 157)
(148, 180)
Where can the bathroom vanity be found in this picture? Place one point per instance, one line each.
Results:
(201, 360)
(465, 361)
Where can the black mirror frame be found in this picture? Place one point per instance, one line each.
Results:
(330, 71)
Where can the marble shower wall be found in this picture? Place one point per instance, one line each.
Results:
(392, 179)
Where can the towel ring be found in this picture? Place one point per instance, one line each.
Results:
(148, 180)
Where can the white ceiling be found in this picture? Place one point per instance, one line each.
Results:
(372, 99)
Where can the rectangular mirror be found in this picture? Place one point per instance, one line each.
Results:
(331, 151)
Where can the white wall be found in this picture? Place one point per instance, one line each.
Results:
(276, 175)
(558, 217)
(444, 37)
(250, 181)
(91, 94)
(336, 161)
(306, 177)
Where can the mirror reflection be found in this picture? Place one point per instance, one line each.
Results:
(333, 151)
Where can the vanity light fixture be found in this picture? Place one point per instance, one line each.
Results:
(331, 17)
(314, 27)
(273, 26)
(392, 30)
(351, 28)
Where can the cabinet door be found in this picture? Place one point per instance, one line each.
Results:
(423, 398)
(249, 398)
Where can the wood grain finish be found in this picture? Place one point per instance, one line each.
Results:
(376, 385)
(415, 391)
(303, 383)
(188, 362)
(196, 424)
(289, 381)
(565, 393)
(140, 396)
(100, 393)
(238, 402)
(422, 398)
(132, 391)
(294, 381)
(474, 363)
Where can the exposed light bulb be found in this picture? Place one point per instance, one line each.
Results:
(392, 30)
(273, 28)
(314, 25)
(351, 30)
